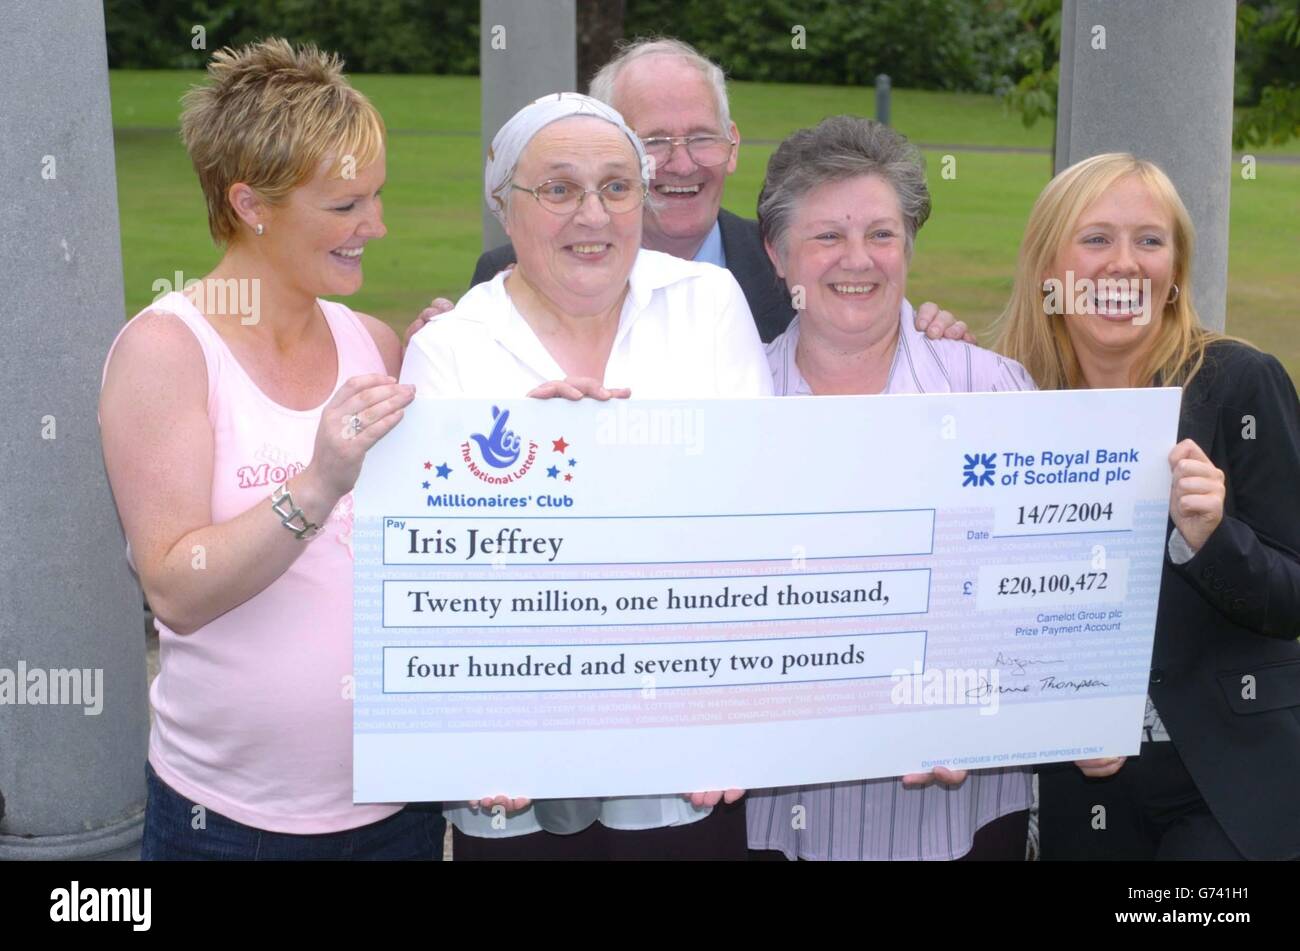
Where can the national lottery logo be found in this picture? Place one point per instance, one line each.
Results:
(979, 469)
(498, 457)
(500, 450)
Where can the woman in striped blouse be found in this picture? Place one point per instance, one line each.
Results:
(839, 211)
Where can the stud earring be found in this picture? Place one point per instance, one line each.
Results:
(260, 229)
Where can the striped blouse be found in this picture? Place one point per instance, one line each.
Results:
(879, 819)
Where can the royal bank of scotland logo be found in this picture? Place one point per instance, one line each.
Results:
(979, 469)
(500, 449)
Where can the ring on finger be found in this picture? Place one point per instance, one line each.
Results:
(354, 424)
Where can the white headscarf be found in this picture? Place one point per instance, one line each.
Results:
(513, 137)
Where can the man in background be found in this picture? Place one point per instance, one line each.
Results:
(676, 102)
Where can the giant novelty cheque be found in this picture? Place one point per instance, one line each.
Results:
(558, 599)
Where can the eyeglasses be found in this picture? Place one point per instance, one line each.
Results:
(704, 150)
(563, 197)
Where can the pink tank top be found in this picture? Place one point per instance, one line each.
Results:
(253, 711)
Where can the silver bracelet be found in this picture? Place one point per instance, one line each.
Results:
(283, 505)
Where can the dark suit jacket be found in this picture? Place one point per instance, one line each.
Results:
(1225, 669)
(746, 260)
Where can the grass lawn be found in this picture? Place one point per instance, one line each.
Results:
(964, 256)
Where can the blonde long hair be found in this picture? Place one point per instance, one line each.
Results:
(1027, 333)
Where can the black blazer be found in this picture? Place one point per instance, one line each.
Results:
(1225, 669)
(746, 260)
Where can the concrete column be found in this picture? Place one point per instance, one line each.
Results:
(525, 51)
(1155, 78)
(73, 783)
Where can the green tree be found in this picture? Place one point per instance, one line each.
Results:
(971, 45)
(1034, 96)
(1267, 84)
(373, 36)
(1268, 74)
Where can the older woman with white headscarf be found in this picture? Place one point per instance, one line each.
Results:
(586, 312)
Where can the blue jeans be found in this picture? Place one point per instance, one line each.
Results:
(414, 834)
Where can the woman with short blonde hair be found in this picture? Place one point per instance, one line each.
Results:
(235, 417)
(268, 117)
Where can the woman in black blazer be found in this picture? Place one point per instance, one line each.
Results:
(1219, 771)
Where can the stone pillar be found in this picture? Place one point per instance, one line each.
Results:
(1155, 79)
(525, 51)
(72, 779)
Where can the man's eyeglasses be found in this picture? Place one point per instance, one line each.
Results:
(704, 150)
(563, 197)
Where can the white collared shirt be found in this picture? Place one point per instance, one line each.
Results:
(685, 332)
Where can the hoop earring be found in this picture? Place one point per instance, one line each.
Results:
(1176, 293)
(260, 229)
